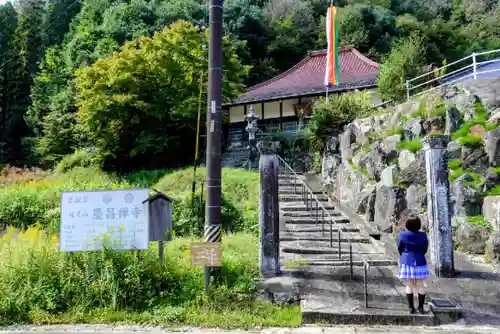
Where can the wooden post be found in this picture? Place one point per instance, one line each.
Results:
(281, 115)
(160, 222)
(269, 209)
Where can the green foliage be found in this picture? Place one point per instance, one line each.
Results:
(127, 108)
(404, 62)
(28, 203)
(41, 284)
(454, 164)
(495, 191)
(471, 140)
(329, 116)
(79, 158)
(480, 221)
(410, 145)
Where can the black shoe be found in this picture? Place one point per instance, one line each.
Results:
(421, 300)
(411, 306)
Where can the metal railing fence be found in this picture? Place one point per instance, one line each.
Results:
(473, 66)
(317, 210)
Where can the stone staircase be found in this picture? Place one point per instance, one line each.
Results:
(331, 290)
(236, 158)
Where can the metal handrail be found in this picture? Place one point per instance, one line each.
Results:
(305, 197)
(475, 72)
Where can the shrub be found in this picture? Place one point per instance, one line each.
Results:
(23, 205)
(404, 62)
(410, 145)
(454, 164)
(471, 140)
(38, 283)
(80, 158)
(480, 221)
(329, 116)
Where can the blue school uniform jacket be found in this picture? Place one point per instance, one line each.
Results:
(412, 246)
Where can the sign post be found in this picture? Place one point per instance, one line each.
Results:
(206, 255)
(118, 219)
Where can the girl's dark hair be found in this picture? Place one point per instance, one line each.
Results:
(413, 223)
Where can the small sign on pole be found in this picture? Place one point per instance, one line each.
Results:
(206, 254)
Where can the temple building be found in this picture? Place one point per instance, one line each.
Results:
(279, 101)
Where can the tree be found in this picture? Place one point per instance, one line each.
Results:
(58, 18)
(138, 106)
(404, 62)
(329, 116)
(8, 25)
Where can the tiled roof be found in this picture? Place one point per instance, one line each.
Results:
(307, 77)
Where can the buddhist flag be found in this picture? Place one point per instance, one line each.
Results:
(332, 75)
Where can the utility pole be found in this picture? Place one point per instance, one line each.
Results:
(214, 128)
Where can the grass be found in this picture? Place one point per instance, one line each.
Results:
(480, 221)
(28, 202)
(41, 285)
(411, 145)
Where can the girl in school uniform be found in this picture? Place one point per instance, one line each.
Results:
(413, 270)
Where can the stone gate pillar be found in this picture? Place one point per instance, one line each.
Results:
(269, 255)
(438, 198)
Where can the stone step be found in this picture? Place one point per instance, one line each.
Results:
(298, 268)
(292, 248)
(287, 214)
(344, 256)
(318, 236)
(299, 198)
(300, 228)
(291, 189)
(299, 206)
(312, 220)
(330, 296)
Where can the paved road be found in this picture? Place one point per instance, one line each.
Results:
(112, 329)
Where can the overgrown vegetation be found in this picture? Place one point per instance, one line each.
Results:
(480, 221)
(329, 116)
(413, 146)
(39, 284)
(37, 202)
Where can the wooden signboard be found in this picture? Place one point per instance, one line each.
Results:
(206, 254)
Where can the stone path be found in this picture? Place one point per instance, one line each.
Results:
(475, 288)
(310, 252)
(81, 329)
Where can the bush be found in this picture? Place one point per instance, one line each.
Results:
(329, 116)
(79, 158)
(410, 145)
(39, 284)
(404, 62)
(26, 204)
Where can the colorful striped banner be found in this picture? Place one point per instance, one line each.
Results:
(332, 75)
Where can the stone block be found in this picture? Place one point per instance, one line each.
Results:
(472, 239)
(414, 173)
(492, 147)
(452, 120)
(416, 198)
(389, 176)
(413, 129)
(493, 248)
(454, 150)
(434, 124)
(405, 158)
(491, 210)
(389, 145)
(465, 200)
(475, 159)
(390, 203)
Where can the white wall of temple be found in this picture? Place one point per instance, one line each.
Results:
(272, 109)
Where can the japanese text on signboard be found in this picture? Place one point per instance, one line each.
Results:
(117, 219)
